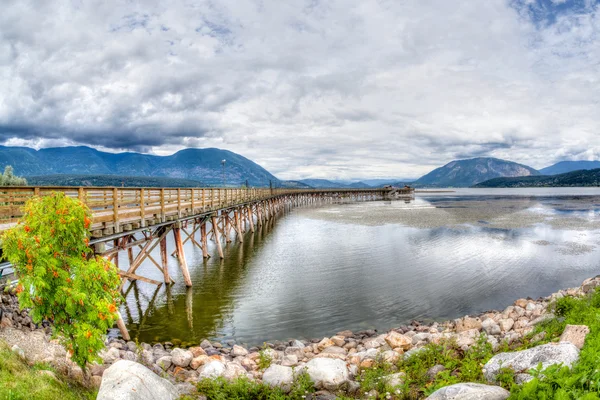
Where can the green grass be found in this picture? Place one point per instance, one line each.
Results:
(561, 383)
(18, 380)
(245, 389)
(264, 358)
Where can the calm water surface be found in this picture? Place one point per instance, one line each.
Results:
(319, 270)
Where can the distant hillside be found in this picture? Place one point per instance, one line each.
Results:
(568, 166)
(293, 185)
(570, 179)
(196, 164)
(466, 173)
(322, 183)
(383, 182)
(110, 180)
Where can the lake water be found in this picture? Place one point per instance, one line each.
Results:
(376, 265)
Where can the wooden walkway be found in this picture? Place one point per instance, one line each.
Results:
(118, 210)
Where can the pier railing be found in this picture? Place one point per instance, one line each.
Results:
(114, 207)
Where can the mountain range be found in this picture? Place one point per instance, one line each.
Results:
(87, 166)
(568, 166)
(465, 173)
(195, 164)
(579, 178)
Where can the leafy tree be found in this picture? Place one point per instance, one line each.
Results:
(59, 278)
(8, 178)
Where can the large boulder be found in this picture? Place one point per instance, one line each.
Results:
(470, 391)
(327, 373)
(128, 380)
(522, 361)
(278, 375)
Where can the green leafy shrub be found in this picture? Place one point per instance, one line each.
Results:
(264, 358)
(244, 389)
(560, 382)
(59, 278)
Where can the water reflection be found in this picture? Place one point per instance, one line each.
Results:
(373, 265)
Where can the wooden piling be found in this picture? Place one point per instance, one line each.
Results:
(181, 256)
(227, 229)
(215, 227)
(238, 228)
(164, 260)
(122, 327)
(204, 240)
(250, 218)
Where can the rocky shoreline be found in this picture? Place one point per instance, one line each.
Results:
(332, 362)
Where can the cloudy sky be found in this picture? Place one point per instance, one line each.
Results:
(307, 88)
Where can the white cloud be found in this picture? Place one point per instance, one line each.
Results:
(332, 89)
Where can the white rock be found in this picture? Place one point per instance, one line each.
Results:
(212, 369)
(233, 371)
(470, 391)
(394, 380)
(506, 324)
(239, 351)
(128, 380)
(390, 356)
(294, 351)
(289, 360)
(164, 362)
(278, 375)
(491, 327)
(181, 357)
(327, 373)
(522, 361)
(110, 355)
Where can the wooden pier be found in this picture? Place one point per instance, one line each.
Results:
(138, 220)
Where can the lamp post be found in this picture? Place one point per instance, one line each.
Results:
(223, 164)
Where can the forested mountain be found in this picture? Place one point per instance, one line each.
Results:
(465, 173)
(568, 166)
(111, 180)
(196, 164)
(573, 179)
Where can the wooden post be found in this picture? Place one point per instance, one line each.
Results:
(116, 209)
(250, 218)
(238, 226)
(116, 260)
(164, 260)
(204, 240)
(181, 256)
(122, 327)
(203, 201)
(163, 217)
(143, 208)
(259, 214)
(227, 228)
(178, 203)
(130, 250)
(193, 202)
(215, 228)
